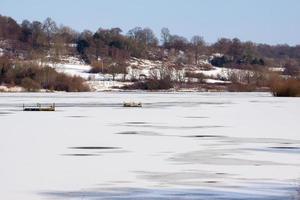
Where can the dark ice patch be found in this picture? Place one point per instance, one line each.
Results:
(196, 117)
(5, 113)
(206, 136)
(136, 123)
(80, 154)
(128, 133)
(77, 116)
(94, 148)
(286, 148)
(158, 126)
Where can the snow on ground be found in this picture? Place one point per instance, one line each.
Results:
(102, 82)
(178, 146)
(137, 69)
(72, 66)
(142, 67)
(212, 81)
(277, 69)
(74, 69)
(1, 52)
(99, 86)
(218, 72)
(214, 72)
(98, 82)
(144, 64)
(4, 88)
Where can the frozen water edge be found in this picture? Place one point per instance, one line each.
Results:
(179, 145)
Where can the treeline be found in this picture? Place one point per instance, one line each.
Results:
(36, 39)
(248, 55)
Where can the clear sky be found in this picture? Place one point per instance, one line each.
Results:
(264, 21)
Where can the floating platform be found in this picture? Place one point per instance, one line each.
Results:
(39, 107)
(132, 104)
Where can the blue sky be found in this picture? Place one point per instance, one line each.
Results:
(264, 21)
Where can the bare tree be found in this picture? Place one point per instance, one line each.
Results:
(145, 36)
(165, 35)
(50, 28)
(198, 45)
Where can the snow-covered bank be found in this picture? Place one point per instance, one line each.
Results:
(4, 88)
(136, 69)
(210, 78)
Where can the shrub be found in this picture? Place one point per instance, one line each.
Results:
(152, 84)
(33, 77)
(97, 67)
(239, 87)
(199, 76)
(163, 84)
(30, 85)
(70, 84)
(285, 87)
(5, 65)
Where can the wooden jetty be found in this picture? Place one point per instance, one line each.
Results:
(132, 104)
(39, 107)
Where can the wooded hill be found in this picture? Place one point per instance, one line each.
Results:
(30, 40)
(108, 51)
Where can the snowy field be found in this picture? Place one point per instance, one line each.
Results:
(178, 146)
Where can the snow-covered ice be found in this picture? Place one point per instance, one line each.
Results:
(178, 146)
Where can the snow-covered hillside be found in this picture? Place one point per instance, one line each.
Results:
(98, 82)
(136, 69)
